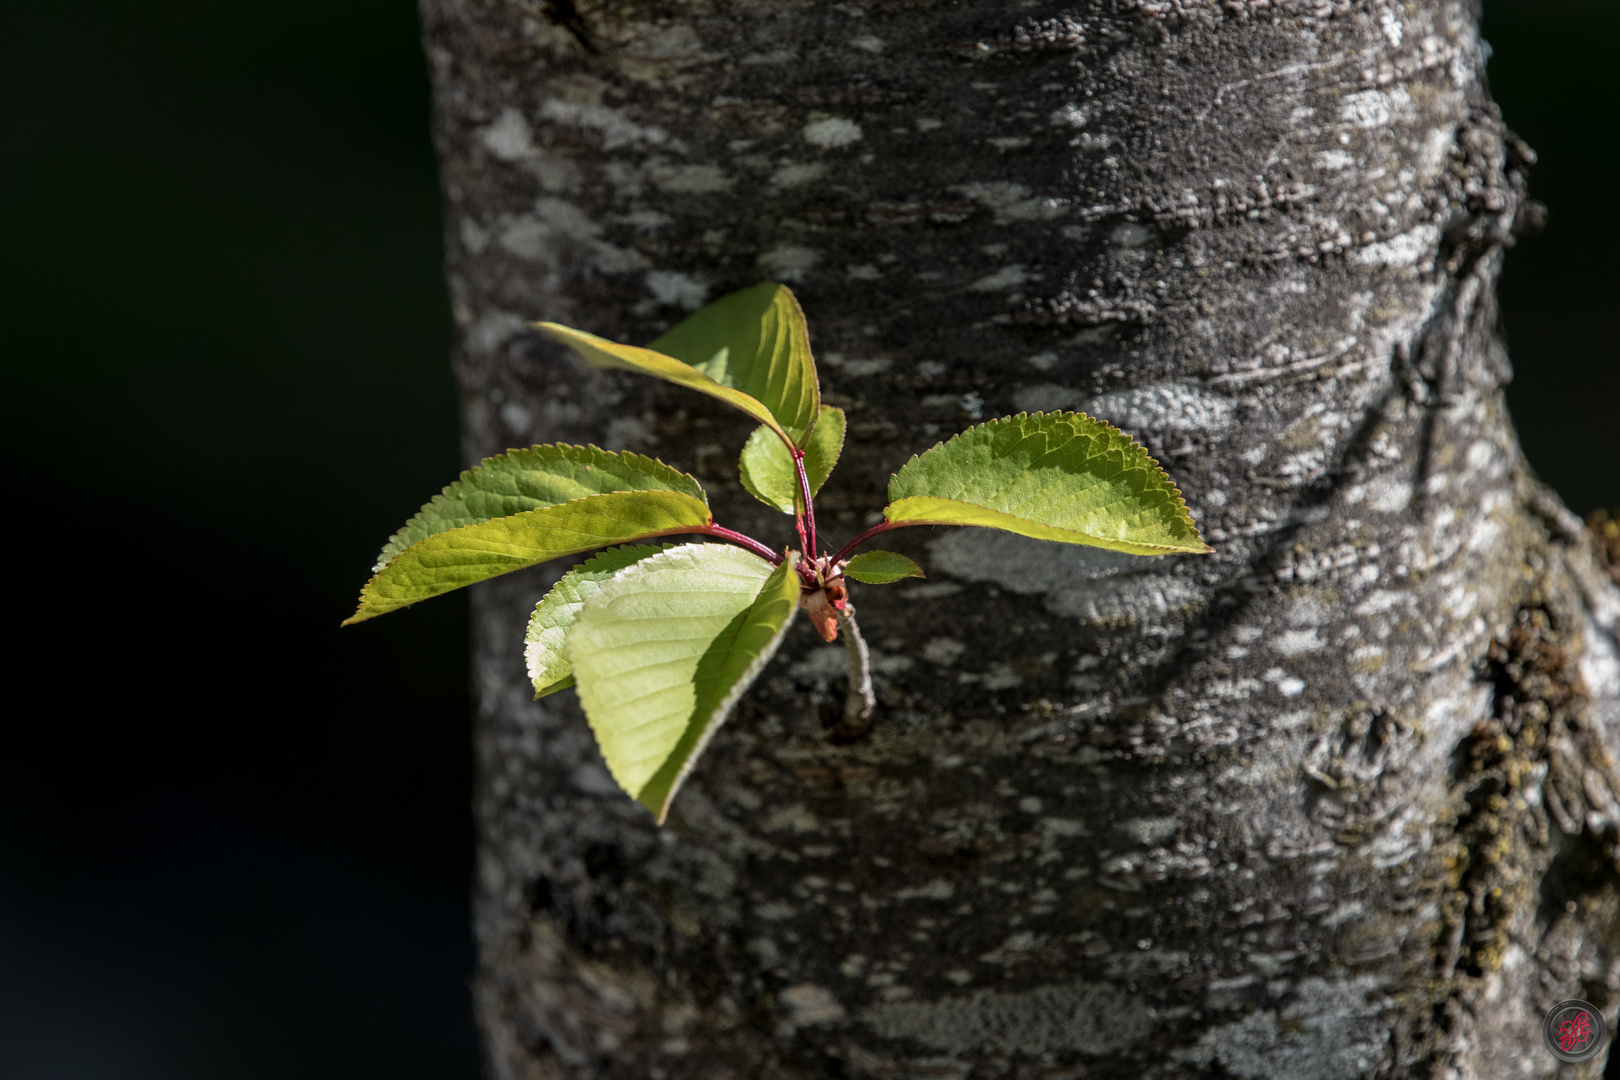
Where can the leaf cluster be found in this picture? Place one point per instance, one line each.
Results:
(660, 640)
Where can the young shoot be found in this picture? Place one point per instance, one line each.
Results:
(660, 639)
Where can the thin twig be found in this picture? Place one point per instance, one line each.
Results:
(859, 701)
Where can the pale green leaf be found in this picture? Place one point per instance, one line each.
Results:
(540, 476)
(600, 352)
(665, 648)
(472, 553)
(881, 567)
(767, 469)
(545, 643)
(1053, 476)
(754, 340)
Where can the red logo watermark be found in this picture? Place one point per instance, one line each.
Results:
(1573, 1031)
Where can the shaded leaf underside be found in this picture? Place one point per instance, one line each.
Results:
(545, 643)
(662, 652)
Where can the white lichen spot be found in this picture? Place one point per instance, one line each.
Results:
(1149, 830)
(517, 418)
(832, 132)
(863, 368)
(1129, 234)
(1045, 361)
(1333, 160)
(1071, 115)
(690, 179)
(1366, 109)
(788, 262)
(1010, 142)
(796, 818)
(1328, 1030)
(1399, 251)
(1390, 24)
(615, 128)
(474, 237)
(938, 889)
(928, 123)
(677, 289)
(868, 43)
(792, 175)
(509, 137)
(1388, 495)
(808, 1003)
(1295, 642)
(1090, 1017)
(862, 272)
(943, 651)
(1167, 406)
(1008, 277)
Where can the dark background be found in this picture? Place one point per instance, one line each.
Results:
(235, 841)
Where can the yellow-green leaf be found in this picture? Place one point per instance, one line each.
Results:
(767, 469)
(600, 352)
(459, 557)
(754, 340)
(545, 643)
(664, 649)
(749, 349)
(530, 479)
(881, 567)
(1053, 476)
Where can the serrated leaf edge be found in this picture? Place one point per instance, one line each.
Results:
(529, 647)
(599, 495)
(444, 492)
(1174, 488)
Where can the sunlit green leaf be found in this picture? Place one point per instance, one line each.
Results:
(1053, 476)
(664, 649)
(530, 479)
(545, 643)
(450, 560)
(749, 349)
(756, 341)
(881, 567)
(767, 467)
(601, 352)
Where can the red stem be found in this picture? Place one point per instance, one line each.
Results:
(744, 541)
(880, 527)
(809, 507)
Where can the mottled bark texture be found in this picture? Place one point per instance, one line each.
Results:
(1337, 801)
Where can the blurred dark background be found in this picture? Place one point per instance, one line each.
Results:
(235, 841)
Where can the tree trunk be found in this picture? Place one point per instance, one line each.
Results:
(1337, 801)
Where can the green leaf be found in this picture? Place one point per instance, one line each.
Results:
(756, 341)
(750, 349)
(663, 651)
(540, 476)
(881, 567)
(1053, 476)
(545, 643)
(472, 553)
(767, 467)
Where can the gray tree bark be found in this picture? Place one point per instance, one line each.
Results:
(1337, 801)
